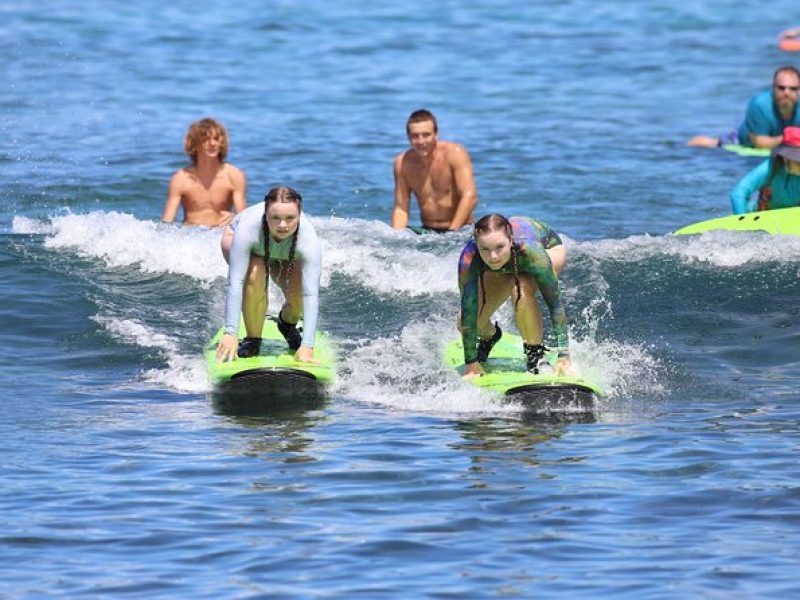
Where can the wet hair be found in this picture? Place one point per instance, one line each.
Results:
(201, 130)
(418, 116)
(283, 195)
(490, 224)
(785, 69)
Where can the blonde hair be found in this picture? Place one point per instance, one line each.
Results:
(201, 130)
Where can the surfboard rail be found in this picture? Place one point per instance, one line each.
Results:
(784, 221)
(747, 150)
(506, 375)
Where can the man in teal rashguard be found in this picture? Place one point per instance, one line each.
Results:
(768, 114)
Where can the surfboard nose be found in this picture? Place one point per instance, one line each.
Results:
(567, 399)
(267, 391)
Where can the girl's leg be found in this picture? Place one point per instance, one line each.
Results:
(292, 288)
(498, 288)
(527, 312)
(254, 307)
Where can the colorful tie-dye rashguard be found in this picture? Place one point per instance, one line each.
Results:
(531, 238)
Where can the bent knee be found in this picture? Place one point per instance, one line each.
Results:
(256, 271)
(527, 288)
(558, 257)
(225, 243)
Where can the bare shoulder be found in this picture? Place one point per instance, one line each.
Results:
(182, 177)
(456, 153)
(403, 160)
(399, 158)
(234, 173)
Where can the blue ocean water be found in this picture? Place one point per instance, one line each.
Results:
(121, 479)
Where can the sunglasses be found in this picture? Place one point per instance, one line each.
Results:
(783, 88)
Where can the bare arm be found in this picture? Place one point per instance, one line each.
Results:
(174, 196)
(465, 184)
(402, 196)
(239, 190)
(765, 141)
(238, 195)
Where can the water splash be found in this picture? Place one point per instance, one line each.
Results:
(403, 371)
(121, 240)
(182, 373)
(716, 248)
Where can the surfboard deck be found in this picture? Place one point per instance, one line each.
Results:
(746, 150)
(273, 379)
(506, 376)
(784, 221)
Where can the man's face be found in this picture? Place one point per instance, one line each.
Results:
(784, 90)
(422, 137)
(211, 144)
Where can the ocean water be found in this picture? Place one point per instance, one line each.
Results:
(121, 479)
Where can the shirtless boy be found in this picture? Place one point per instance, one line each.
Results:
(209, 190)
(439, 173)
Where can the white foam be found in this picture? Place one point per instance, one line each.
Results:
(620, 369)
(25, 225)
(185, 374)
(388, 261)
(406, 373)
(717, 248)
(120, 239)
(382, 259)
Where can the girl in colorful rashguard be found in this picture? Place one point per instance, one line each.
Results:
(511, 258)
(276, 240)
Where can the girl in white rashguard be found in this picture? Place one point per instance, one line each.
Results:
(292, 257)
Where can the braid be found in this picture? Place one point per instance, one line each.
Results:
(483, 289)
(515, 264)
(290, 268)
(265, 229)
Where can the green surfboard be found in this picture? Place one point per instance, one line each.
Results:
(273, 379)
(746, 150)
(784, 221)
(506, 375)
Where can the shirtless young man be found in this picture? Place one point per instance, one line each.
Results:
(210, 190)
(439, 173)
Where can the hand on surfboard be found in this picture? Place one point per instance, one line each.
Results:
(227, 347)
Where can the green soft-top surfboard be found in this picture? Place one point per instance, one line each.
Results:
(273, 379)
(784, 221)
(746, 150)
(506, 375)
